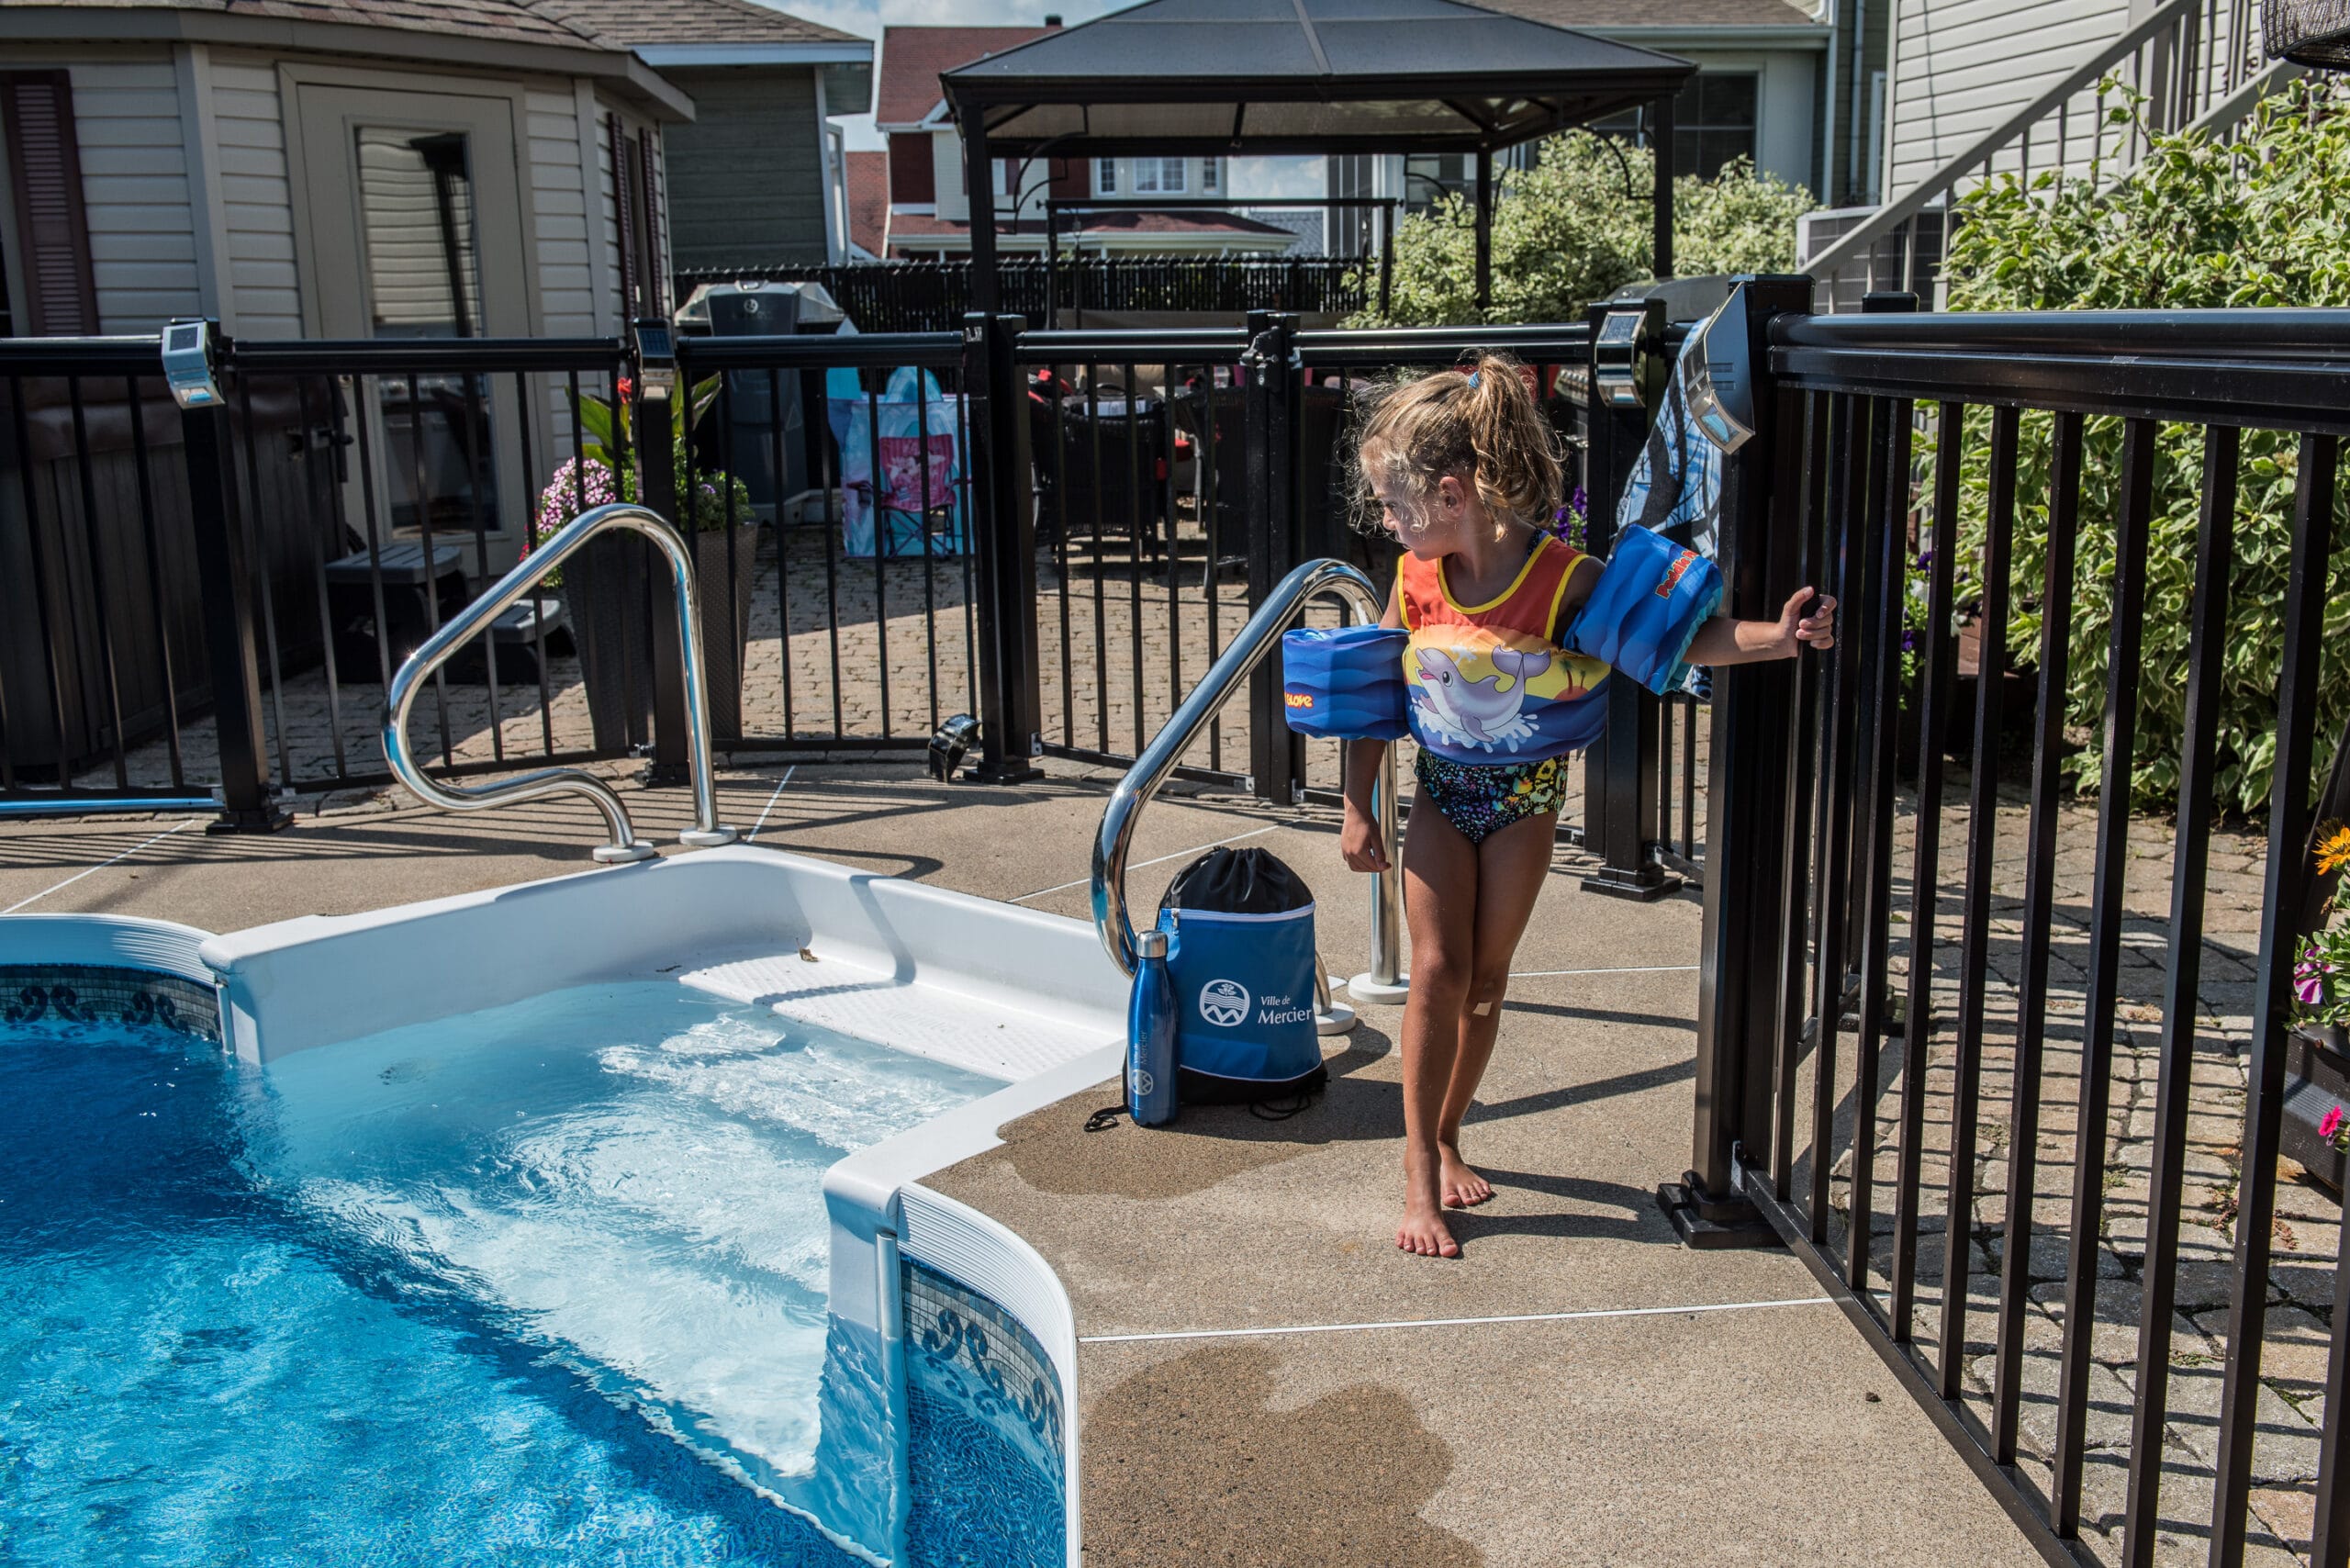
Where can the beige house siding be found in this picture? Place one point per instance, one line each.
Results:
(1963, 67)
(559, 213)
(135, 190)
(265, 293)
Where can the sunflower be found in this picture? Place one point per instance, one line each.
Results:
(2333, 851)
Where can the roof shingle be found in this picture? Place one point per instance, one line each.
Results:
(627, 23)
(613, 25)
(510, 21)
(911, 59)
(868, 174)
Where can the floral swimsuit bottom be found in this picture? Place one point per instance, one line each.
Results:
(1483, 798)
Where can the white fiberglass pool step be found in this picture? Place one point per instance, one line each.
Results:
(977, 1034)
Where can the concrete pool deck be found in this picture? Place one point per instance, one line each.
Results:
(1265, 1380)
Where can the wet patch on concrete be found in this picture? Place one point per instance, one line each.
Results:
(1205, 1144)
(1187, 1462)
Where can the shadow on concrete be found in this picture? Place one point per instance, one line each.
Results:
(1206, 1144)
(1581, 1094)
(1641, 1219)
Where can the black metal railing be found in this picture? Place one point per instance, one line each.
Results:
(1056, 529)
(2017, 1121)
(933, 297)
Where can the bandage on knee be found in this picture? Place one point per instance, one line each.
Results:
(1481, 1009)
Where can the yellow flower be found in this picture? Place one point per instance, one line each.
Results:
(2333, 851)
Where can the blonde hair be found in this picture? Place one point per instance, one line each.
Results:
(1485, 429)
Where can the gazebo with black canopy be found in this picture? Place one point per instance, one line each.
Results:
(1204, 78)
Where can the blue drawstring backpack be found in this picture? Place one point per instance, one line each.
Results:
(1240, 948)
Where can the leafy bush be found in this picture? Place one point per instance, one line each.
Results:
(1576, 227)
(2197, 224)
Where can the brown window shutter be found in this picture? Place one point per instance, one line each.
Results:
(625, 218)
(657, 249)
(61, 291)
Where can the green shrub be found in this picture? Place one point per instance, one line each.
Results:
(2198, 224)
(1576, 227)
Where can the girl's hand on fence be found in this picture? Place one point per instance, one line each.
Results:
(1359, 841)
(1817, 629)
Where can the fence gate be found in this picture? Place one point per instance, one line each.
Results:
(2007, 1066)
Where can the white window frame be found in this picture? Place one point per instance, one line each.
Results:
(1150, 176)
(1105, 176)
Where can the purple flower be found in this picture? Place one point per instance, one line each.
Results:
(2309, 976)
(575, 489)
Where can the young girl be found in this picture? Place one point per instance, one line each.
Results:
(1464, 472)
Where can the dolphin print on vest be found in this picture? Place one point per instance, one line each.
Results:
(1478, 712)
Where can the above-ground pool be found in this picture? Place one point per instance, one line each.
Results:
(625, 1270)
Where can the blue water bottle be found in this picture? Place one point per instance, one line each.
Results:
(1150, 1035)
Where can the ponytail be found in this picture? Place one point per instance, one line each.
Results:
(1485, 427)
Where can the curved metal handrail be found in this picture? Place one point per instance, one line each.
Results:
(1280, 608)
(566, 543)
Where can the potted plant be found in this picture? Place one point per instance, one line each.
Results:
(604, 598)
(2317, 1053)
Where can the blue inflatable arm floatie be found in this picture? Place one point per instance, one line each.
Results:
(1649, 601)
(1347, 683)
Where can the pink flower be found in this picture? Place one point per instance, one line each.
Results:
(2309, 977)
(566, 497)
(2330, 1123)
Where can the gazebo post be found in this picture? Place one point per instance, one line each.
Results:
(978, 186)
(1660, 140)
(1484, 229)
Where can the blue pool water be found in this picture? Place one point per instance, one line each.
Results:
(543, 1284)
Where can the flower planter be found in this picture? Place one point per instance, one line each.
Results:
(721, 653)
(606, 584)
(2317, 1079)
(608, 625)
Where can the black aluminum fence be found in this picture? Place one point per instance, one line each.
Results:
(284, 550)
(1056, 530)
(2023, 1112)
(934, 297)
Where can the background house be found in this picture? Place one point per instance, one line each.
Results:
(374, 168)
(757, 175)
(366, 168)
(930, 210)
(2008, 86)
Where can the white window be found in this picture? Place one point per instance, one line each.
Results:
(1207, 174)
(1159, 176)
(1105, 176)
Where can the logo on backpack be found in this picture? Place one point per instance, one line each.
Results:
(1225, 1003)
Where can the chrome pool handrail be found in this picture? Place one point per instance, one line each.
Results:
(566, 543)
(1280, 610)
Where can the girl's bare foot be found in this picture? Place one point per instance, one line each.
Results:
(1462, 1188)
(1425, 1233)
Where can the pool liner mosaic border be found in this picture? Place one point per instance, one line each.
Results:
(978, 1379)
(94, 994)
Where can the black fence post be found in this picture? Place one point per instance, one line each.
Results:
(1748, 822)
(1620, 774)
(1269, 428)
(1011, 703)
(225, 588)
(656, 448)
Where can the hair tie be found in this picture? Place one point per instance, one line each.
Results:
(1472, 381)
